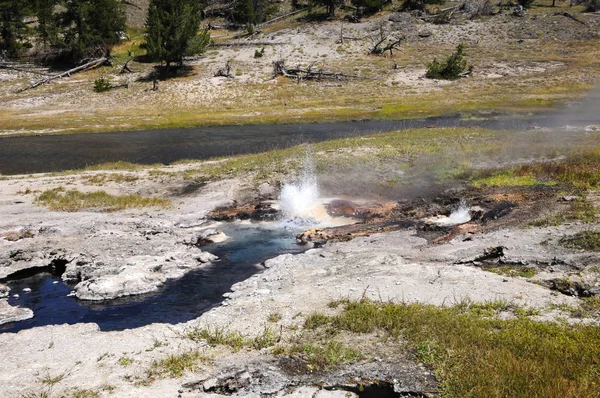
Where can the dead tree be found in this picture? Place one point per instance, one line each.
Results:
(125, 68)
(225, 72)
(87, 66)
(382, 43)
(308, 73)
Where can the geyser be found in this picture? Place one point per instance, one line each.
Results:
(301, 198)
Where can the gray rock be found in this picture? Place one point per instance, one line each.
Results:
(8, 313)
(4, 291)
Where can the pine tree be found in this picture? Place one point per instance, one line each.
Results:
(170, 25)
(91, 25)
(47, 29)
(13, 30)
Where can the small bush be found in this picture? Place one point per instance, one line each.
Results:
(452, 68)
(102, 85)
(259, 53)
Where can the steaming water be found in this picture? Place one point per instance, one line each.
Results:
(461, 215)
(301, 199)
(301, 203)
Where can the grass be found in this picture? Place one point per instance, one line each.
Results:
(586, 240)
(506, 179)
(274, 317)
(580, 210)
(175, 365)
(581, 170)
(322, 357)
(101, 179)
(219, 336)
(475, 355)
(77, 392)
(72, 200)
(508, 270)
(125, 360)
(587, 307)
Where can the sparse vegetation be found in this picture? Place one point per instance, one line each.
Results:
(322, 357)
(175, 365)
(274, 317)
(465, 345)
(586, 240)
(453, 67)
(125, 360)
(523, 272)
(72, 200)
(102, 85)
(236, 341)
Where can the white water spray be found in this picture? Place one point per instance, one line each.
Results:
(301, 198)
(460, 215)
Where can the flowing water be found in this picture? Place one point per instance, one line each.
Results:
(48, 153)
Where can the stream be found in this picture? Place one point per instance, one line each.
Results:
(53, 153)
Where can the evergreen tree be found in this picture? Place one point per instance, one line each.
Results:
(330, 4)
(91, 25)
(170, 25)
(369, 6)
(13, 30)
(47, 29)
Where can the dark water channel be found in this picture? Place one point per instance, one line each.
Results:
(178, 301)
(48, 153)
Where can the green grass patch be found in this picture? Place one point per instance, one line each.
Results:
(474, 355)
(72, 200)
(506, 179)
(586, 240)
(235, 340)
(580, 170)
(322, 357)
(175, 365)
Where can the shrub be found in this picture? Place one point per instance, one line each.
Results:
(101, 85)
(259, 53)
(452, 68)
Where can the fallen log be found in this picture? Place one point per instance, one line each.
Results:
(87, 66)
(279, 69)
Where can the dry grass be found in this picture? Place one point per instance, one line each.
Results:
(73, 200)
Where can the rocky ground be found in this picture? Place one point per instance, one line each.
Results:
(113, 254)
